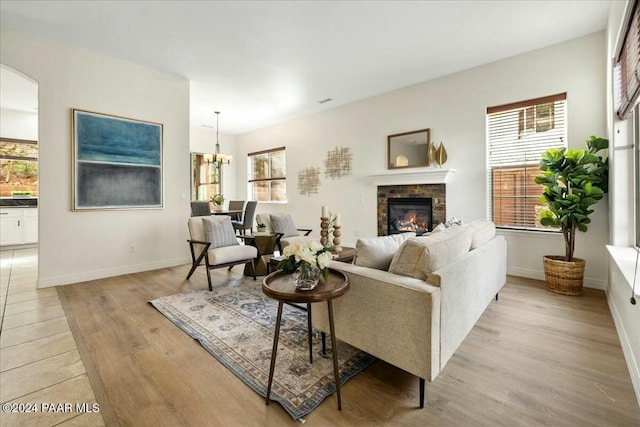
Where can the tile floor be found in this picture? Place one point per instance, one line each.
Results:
(42, 376)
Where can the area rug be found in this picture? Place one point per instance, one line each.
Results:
(235, 322)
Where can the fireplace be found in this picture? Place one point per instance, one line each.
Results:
(388, 195)
(409, 215)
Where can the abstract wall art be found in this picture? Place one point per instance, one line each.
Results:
(338, 163)
(117, 162)
(308, 181)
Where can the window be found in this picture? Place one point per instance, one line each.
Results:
(636, 166)
(627, 70)
(267, 175)
(517, 135)
(205, 177)
(18, 167)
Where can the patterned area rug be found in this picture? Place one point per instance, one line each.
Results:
(236, 322)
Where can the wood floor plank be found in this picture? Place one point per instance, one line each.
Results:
(534, 358)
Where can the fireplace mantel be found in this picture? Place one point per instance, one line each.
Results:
(430, 176)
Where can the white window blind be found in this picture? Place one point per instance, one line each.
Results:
(627, 70)
(517, 135)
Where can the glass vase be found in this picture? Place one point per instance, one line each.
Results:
(306, 276)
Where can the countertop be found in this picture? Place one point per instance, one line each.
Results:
(9, 202)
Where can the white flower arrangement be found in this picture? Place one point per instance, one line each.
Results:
(300, 254)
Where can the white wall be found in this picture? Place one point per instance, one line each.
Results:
(454, 108)
(18, 124)
(78, 246)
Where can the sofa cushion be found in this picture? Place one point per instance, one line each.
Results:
(377, 252)
(283, 224)
(419, 256)
(482, 230)
(219, 231)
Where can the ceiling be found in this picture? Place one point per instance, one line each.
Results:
(263, 62)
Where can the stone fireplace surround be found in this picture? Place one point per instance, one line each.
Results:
(437, 193)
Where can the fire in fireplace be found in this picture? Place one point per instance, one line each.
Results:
(409, 215)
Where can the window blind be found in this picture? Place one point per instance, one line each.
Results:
(517, 136)
(627, 72)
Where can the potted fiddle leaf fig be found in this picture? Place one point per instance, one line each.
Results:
(574, 181)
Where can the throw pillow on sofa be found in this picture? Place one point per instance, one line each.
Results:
(482, 230)
(419, 256)
(377, 252)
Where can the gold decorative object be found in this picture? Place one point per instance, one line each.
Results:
(338, 163)
(431, 154)
(441, 155)
(308, 180)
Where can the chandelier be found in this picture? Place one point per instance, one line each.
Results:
(220, 159)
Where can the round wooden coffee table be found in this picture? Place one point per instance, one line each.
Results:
(280, 286)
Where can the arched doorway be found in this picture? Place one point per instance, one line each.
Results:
(18, 160)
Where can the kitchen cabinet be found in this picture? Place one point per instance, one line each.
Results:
(18, 226)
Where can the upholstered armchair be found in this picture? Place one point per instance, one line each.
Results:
(284, 226)
(214, 240)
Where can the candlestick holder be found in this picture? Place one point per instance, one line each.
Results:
(336, 239)
(324, 232)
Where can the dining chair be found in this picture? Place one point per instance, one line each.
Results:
(247, 218)
(200, 208)
(236, 205)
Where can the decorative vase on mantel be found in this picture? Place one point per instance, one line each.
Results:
(441, 155)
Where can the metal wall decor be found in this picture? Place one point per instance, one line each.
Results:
(338, 163)
(308, 181)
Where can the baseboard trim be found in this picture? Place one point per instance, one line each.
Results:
(110, 272)
(589, 282)
(632, 363)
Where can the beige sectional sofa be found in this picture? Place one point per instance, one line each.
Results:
(416, 314)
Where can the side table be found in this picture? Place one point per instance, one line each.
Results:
(280, 286)
(266, 244)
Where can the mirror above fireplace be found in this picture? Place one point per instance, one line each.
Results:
(408, 149)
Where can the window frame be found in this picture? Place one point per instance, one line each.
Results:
(251, 180)
(507, 159)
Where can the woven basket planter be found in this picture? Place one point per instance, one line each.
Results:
(564, 277)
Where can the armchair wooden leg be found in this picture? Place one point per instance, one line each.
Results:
(209, 279)
(253, 268)
(496, 296)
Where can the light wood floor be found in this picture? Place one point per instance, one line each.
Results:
(534, 358)
(39, 361)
